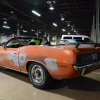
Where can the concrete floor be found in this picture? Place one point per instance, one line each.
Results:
(16, 86)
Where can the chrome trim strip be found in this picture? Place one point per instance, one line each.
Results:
(14, 69)
(79, 68)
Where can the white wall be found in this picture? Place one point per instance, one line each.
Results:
(93, 35)
(4, 38)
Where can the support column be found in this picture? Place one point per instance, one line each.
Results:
(48, 38)
(18, 29)
(37, 34)
(97, 21)
(94, 37)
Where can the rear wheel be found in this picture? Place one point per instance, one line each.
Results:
(39, 76)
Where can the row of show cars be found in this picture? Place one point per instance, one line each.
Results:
(69, 58)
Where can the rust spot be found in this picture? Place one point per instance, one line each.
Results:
(37, 58)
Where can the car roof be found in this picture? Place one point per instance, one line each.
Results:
(76, 35)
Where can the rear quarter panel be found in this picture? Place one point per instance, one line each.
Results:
(58, 60)
(55, 59)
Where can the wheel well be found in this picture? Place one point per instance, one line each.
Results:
(29, 62)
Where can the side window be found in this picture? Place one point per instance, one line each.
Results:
(77, 38)
(13, 44)
(87, 40)
(67, 37)
(35, 42)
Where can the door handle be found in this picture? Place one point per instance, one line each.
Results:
(15, 52)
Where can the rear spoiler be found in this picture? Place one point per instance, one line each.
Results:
(92, 44)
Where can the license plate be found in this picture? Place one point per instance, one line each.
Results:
(94, 56)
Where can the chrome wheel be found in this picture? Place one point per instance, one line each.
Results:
(37, 74)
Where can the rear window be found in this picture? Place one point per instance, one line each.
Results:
(77, 38)
(67, 37)
(87, 40)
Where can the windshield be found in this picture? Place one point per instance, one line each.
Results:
(23, 41)
(62, 42)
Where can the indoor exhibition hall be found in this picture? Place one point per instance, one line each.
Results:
(49, 49)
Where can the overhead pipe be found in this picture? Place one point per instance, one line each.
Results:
(26, 15)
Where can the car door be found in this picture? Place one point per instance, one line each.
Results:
(10, 55)
(2, 49)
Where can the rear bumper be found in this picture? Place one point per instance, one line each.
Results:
(73, 71)
(81, 67)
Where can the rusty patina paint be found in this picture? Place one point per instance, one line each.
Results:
(58, 60)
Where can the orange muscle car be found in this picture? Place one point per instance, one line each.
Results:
(43, 63)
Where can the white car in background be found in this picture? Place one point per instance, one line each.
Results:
(76, 37)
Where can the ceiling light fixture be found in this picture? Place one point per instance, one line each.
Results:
(74, 30)
(31, 29)
(51, 4)
(45, 34)
(77, 32)
(24, 31)
(68, 24)
(5, 22)
(68, 33)
(11, 12)
(62, 18)
(51, 7)
(54, 24)
(36, 13)
(63, 30)
(6, 27)
(21, 26)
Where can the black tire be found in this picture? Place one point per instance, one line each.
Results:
(39, 76)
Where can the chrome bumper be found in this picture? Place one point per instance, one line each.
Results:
(81, 67)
